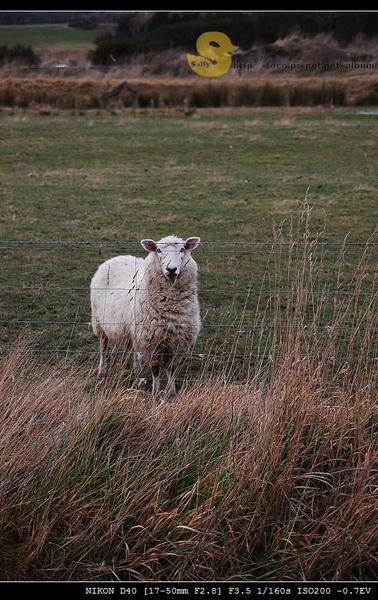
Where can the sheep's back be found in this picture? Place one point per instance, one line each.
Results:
(113, 289)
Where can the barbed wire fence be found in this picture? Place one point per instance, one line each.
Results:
(254, 297)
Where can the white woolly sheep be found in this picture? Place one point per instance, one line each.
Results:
(149, 306)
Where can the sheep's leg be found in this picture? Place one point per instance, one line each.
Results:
(103, 347)
(155, 380)
(137, 369)
(171, 385)
(137, 363)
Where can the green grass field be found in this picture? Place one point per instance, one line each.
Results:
(104, 178)
(265, 469)
(46, 36)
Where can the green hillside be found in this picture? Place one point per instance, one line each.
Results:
(46, 36)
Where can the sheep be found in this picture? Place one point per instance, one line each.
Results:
(149, 306)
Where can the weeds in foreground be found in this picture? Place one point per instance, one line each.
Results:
(271, 479)
(234, 482)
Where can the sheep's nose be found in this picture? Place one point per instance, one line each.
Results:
(171, 270)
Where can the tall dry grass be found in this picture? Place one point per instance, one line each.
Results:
(84, 91)
(271, 479)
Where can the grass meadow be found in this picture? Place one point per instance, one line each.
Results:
(266, 468)
(47, 36)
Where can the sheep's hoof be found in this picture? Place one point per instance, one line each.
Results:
(142, 382)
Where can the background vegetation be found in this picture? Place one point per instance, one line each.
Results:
(87, 94)
(167, 30)
(18, 53)
(117, 37)
(71, 67)
(265, 27)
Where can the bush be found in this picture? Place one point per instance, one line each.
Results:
(18, 54)
(369, 98)
(271, 95)
(315, 95)
(148, 100)
(111, 51)
(209, 96)
(246, 95)
(260, 95)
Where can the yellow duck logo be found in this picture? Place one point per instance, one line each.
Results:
(214, 48)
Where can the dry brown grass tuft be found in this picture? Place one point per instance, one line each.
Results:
(267, 480)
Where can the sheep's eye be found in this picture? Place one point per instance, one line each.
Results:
(182, 250)
(158, 250)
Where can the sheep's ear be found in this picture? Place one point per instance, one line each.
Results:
(148, 245)
(192, 243)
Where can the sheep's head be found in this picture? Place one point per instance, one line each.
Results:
(172, 253)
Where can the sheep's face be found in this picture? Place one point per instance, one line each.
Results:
(172, 253)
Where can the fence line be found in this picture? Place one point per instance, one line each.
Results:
(247, 293)
(270, 243)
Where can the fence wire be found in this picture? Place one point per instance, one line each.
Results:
(255, 298)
